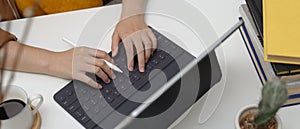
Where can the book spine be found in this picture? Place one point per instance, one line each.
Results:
(252, 54)
(256, 44)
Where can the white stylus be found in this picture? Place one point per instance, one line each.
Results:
(112, 66)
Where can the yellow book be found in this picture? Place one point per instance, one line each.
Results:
(281, 20)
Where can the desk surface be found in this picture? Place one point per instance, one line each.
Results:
(242, 86)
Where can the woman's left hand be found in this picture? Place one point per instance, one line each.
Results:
(135, 34)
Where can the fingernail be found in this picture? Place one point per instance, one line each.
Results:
(107, 81)
(130, 68)
(114, 76)
(114, 52)
(99, 86)
(142, 69)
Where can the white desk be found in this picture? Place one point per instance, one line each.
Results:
(242, 83)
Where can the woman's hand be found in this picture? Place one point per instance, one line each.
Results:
(135, 34)
(76, 62)
(71, 64)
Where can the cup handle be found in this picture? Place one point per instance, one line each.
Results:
(38, 98)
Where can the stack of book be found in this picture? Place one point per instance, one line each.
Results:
(252, 32)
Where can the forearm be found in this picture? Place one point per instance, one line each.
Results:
(133, 8)
(19, 57)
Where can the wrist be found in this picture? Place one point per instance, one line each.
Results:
(49, 63)
(58, 65)
(134, 19)
(127, 14)
(132, 8)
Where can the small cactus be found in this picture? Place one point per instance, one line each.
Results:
(274, 95)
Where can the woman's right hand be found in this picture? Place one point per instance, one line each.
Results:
(70, 64)
(76, 62)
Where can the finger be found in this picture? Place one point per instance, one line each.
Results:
(115, 43)
(104, 55)
(129, 53)
(97, 53)
(99, 72)
(90, 81)
(100, 63)
(148, 46)
(153, 39)
(140, 53)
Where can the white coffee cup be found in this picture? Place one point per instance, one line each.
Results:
(25, 117)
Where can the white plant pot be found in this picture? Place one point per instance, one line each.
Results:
(252, 108)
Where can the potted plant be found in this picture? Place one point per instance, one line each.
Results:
(263, 116)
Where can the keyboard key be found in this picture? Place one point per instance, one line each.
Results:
(172, 46)
(94, 109)
(61, 98)
(134, 78)
(83, 91)
(84, 98)
(116, 93)
(69, 92)
(90, 124)
(94, 102)
(123, 87)
(164, 44)
(158, 37)
(103, 105)
(68, 101)
(161, 56)
(100, 96)
(123, 60)
(78, 113)
(80, 92)
(109, 99)
(154, 62)
(74, 106)
(107, 91)
(85, 108)
(113, 87)
(119, 80)
(95, 92)
(97, 110)
(177, 53)
(84, 119)
(149, 67)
